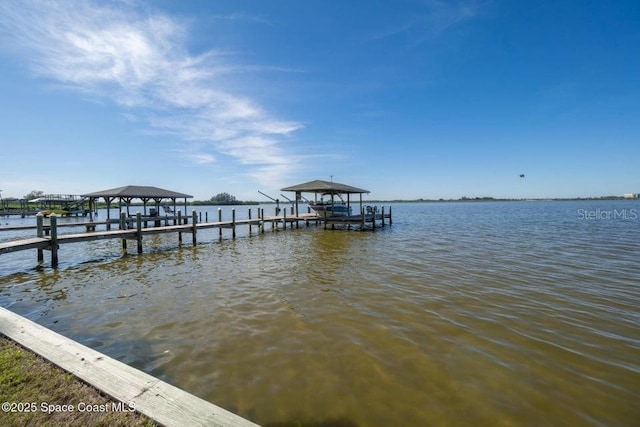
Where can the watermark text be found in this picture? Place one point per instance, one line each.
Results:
(608, 214)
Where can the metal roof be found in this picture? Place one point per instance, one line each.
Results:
(319, 186)
(139, 192)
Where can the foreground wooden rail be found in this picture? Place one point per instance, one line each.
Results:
(47, 237)
(160, 401)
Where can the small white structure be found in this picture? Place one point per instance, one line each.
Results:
(630, 195)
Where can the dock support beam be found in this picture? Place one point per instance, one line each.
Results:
(180, 232)
(139, 231)
(53, 220)
(40, 233)
(123, 226)
(220, 227)
(233, 223)
(194, 219)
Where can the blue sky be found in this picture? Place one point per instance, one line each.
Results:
(408, 99)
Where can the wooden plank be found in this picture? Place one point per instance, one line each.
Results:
(150, 396)
(24, 244)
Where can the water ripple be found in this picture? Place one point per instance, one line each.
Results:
(460, 313)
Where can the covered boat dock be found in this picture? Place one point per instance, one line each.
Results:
(145, 194)
(336, 189)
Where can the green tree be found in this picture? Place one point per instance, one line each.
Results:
(224, 198)
(34, 195)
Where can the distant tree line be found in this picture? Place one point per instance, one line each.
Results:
(223, 199)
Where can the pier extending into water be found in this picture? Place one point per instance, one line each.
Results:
(49, 239)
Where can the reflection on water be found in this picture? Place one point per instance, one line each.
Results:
(487, 313)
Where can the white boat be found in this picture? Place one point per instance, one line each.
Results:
(329, 209)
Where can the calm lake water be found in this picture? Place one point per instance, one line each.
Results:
(515, 313)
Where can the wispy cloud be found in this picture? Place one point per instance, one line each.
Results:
(435, 18)
(240, 16)
(138, 60)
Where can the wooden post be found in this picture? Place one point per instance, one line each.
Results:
(123, 226)
(390, 220)
(261, 215)
(180, 223)
(382, 215)
(233, 223)
(249, 222)
(194, 217)
(373, 219)
(40, 233)
(139, 231)
(364, 219)
(220, 226)
(53, 221)
(284, 219)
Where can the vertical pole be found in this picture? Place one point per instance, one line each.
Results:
(249, 222)
(39, 233)
(362, 212)
(373, 219)
(179, 214)
(390, 220)
(123, 226)
(139, 231)
(220, 226)
(194, 217)
(284, 219)
(233, 223)
(382, 215)
(261, 215)
(53, 221)
(206, 216)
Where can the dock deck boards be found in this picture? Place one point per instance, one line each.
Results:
(24, 244)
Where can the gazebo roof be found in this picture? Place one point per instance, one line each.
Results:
(139, 192)
(319, 186)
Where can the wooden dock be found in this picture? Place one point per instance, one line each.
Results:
(48, 237)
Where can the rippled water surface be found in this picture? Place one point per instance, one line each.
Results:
(518, 313)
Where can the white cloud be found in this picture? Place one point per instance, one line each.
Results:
(435, 18)
(139, 60)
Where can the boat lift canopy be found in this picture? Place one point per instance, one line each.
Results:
(325, 187)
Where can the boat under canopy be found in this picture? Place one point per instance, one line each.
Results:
(335, 206)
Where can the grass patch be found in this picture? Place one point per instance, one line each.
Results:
(34, 386)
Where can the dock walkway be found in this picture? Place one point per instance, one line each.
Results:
(47, 237)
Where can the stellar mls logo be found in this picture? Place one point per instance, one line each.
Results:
(608, 214)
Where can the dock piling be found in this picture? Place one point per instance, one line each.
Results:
(139, 231)
(233, 223)
(219, 220)
(123, 226)
(40, 233)
(194, 222)
(53, 221)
